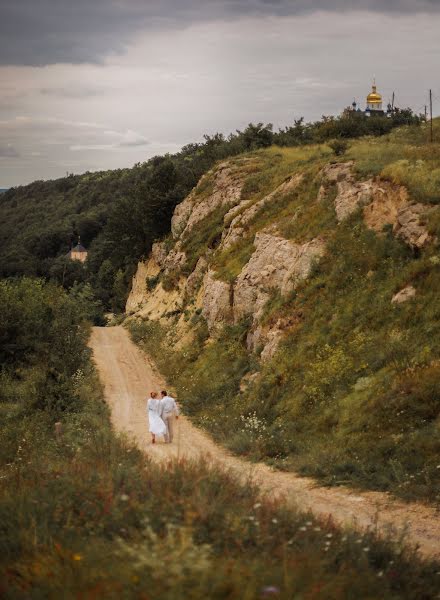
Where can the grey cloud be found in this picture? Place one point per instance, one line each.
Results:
(8, 151)
(41, 32)
(70, 92)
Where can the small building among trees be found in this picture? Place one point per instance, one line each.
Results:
(78, 252)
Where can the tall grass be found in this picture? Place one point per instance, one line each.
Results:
(88, 516)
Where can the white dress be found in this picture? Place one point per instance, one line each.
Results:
(157, 426)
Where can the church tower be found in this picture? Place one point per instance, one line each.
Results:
(374, 102)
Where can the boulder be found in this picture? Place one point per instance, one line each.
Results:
(404, 295)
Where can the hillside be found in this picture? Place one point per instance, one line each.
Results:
(118, 214)
(295, 309)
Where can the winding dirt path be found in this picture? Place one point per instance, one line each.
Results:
(128, 377)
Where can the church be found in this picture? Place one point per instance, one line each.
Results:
(374, 105)
(78, 252)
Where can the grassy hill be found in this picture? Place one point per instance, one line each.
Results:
(351, 391)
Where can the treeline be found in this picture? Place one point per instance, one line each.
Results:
(118, 214)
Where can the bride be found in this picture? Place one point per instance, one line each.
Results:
(157, 426)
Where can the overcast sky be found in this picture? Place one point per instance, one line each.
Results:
(99, 84)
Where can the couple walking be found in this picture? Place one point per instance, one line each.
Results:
(161, 414)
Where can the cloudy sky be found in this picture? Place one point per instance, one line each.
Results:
(98, 84)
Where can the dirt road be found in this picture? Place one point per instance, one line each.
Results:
(128, 378)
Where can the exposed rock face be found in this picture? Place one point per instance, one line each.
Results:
(159, 253)
(383, 202)
(351, 194)
(227, 186)
(404, 295)
(242, 216)
(387, 200)
(168, 261)
(276, 263)
(195, 279)
(409, 228)
(217, 305)
(139, 284)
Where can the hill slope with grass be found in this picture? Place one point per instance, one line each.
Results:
(295, 309)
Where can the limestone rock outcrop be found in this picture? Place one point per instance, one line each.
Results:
(351, 194)
(241, 216)
(387, 200)
(383, 203)
(217, 302)
(409, 228)
(138, 291)
(227, 185)
(195, 279)
(277, 264)
(162, 290)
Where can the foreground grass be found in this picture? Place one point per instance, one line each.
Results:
(90, 517)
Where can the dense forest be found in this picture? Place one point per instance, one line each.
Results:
(119, 213)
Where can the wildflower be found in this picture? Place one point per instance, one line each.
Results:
(274, 520)
(269, 590)
(124, 498)
(257, 505)
(380, 574)
(366, 549)
(77, 557)
(303, 528)
(329, 535)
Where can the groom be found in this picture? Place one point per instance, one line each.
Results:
(169, 412)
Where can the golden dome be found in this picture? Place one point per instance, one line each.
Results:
(374, 97)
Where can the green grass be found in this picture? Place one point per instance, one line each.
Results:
(89, 516)
(404, 157)
(353, 395)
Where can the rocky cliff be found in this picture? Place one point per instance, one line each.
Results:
(185, 275)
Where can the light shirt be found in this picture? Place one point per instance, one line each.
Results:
(169, 406)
